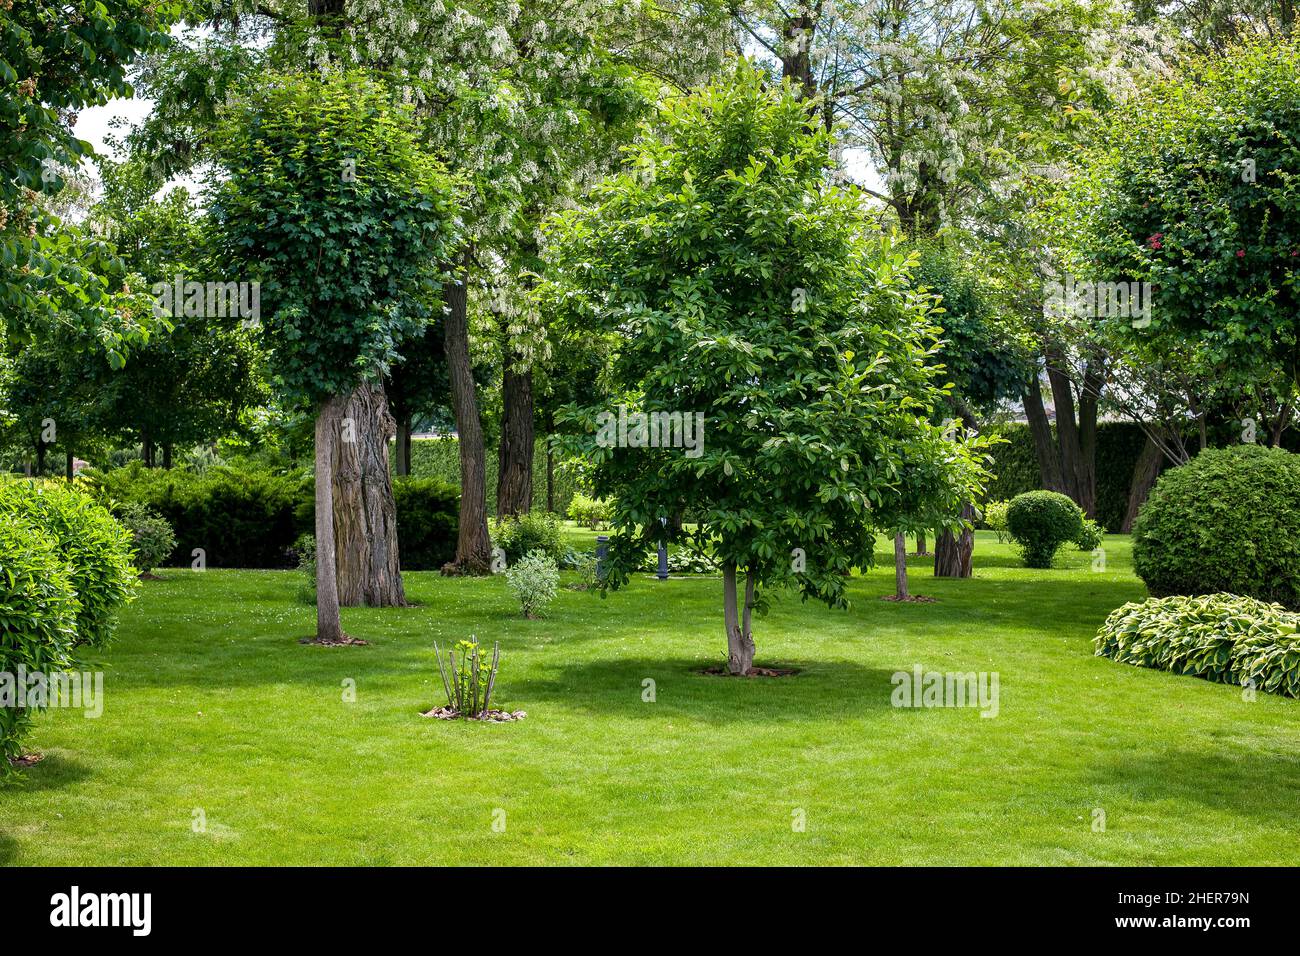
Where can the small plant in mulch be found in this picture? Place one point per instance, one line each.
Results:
(755, 671)
(468, 684)
(910, 599)
(23, 761)
(343, 641)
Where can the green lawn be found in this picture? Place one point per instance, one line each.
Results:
(213, 706)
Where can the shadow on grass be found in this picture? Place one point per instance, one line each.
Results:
(820, 690)
(52, 773)
(1236, 782)
(8, 850)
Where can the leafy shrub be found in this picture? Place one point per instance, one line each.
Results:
(535, 581)
(995, 519)
(305, 549)
(428, 521)
(684, 558)
(1221, 637)
(584, 562)
(89, 540)
(1228, 520)
(1040, 522)
(1090, 536)
(520, 535)
(242, 517)
(593, 512)
(151, 536)
(38, 619)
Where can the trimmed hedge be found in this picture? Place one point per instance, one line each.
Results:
(251, 517)
(1228, 520)
(1220, 637)
(1119, 444)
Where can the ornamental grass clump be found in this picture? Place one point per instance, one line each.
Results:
(1221, 637)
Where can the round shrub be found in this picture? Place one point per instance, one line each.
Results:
(526, 533)
(38, 621)
(428, 522)
(1090, 535)
(1040, 522)
(90, 541)
(151, 536)
(1228, 520)
(535, 580)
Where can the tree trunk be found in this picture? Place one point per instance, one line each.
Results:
(402, 448)
(952, 553)
(515, 459)
(921, 546)
(147, 450)
(167, 455)
(365, 515)
(900, 566)
(1145, 473)
(1086, 478)
(473, 546)
(550, 477)
(329, 626)
(71, 459)
(40, 458)
(740, 644)
(1049, 461)
(1067, 428)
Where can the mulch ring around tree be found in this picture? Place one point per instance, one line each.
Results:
(488, 716)
(910, 599)
(26, 760)
(753, 672)
(345, 641)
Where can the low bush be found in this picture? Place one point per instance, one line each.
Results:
(683, 558)
(995, 519)
(592, 512)
(1220, 637)
(93, 545)
(1090, 536)
(428, 521)
(1228, 520)
(535, 580)
(38, 622)
(517, 536)
(1040, 522)
(152, 537)
(305, 550)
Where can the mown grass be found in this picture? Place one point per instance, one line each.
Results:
(213, 707)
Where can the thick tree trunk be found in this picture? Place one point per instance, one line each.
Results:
(740, 643)
(1086, 479)
(900, 567)
(329, 626)
(1067, 427)
(515, 459)
(952, 552)
(1145, 473)
(922, 549)
(1049, 461)
(402, 448)
(167, 455)
(473, 546)
(68, 470)
(365, 515)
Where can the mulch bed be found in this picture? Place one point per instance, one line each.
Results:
(753, 672)
(913, 599)
(490, 716)
(330, 642)
(26, 760)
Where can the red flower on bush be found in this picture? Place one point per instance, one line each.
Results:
(1154, 241)
(1241, 253)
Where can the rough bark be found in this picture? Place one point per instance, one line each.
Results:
(740, 643)
(1067, 427)
(922, 549)
(473, 546)
(365, 516)
(515, 457)
(329, 626)
(952, 552)
(1049, 464)
(402, 448)
(1145, 472)
(900, 566)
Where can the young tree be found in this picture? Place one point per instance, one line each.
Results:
(767, 325)
(328, 201)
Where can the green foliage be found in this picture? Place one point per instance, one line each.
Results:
(1221, 637)
(1040, 522)
(1090, 535)
(469, 680)
(440, 458)
(427, 522)
(241, 517)
(152, 537)
(535, 580)
(1228, 520)
(38, 617)
(89, 540)
(743, 288)
(593, 512)
(326, 197)
(518, 536)
(995, 519)
(684, 558)
(305, 549)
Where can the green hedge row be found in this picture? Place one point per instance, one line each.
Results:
(440, 458)
(1119, 444)
(246, 517)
